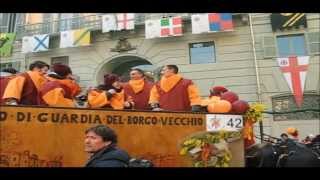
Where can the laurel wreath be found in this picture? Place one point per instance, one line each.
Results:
(209, 149)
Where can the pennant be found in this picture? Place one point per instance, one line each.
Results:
(125, 21)
(6, 42)
(74, 38)
(109, 23)
(35, 43)
(294, 70)
(211, 22)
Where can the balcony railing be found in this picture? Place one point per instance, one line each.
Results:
(92, 22)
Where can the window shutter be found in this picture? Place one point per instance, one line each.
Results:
(313, 39)
(268, 46)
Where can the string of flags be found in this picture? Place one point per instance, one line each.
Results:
(154, 28)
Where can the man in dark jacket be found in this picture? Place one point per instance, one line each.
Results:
(101, 142)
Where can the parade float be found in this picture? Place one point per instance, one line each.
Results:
(33, 136)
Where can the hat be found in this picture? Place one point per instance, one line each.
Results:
(217, 90)
(61, 69)
(292, 131)
(110, 78)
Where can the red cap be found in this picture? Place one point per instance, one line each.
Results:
(217, 90)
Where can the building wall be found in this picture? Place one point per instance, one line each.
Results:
(272, 80)
(234, 67)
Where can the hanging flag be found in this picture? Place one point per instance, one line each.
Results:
(282, 21)
(125, 21)
(26, 44)
(152, 28)
(171, 26)
(164, 27)
(220, 22)
(109, 23)
(6, 42)
(294, 70)
(200, 23)
(74, 38)
(211, 22)
(35, 43)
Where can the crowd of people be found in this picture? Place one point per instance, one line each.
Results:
(56, 86)
(292, 134)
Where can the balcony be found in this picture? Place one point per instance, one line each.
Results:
(92, 22)
(55, 27)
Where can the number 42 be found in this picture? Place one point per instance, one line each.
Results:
(234, 123)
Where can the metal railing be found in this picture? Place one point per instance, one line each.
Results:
(92, 22)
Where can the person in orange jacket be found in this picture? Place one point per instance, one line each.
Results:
(174, 93)
(23, 89)
(60, 89)
(5, 76)
(137, 90)
(108, 95)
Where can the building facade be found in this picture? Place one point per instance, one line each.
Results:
(243, 60)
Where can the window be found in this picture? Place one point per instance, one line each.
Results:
(291, 45)
(15, 65)
(285, 103)
(69, 21)
(61, 59)
(314, 42)
(201, 53)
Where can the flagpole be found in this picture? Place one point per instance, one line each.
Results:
(257, 71)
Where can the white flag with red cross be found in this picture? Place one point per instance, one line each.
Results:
(117, 22)
(294, 70)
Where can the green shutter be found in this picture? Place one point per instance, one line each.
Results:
(268, 46)
(6, 42)
(313, 42)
